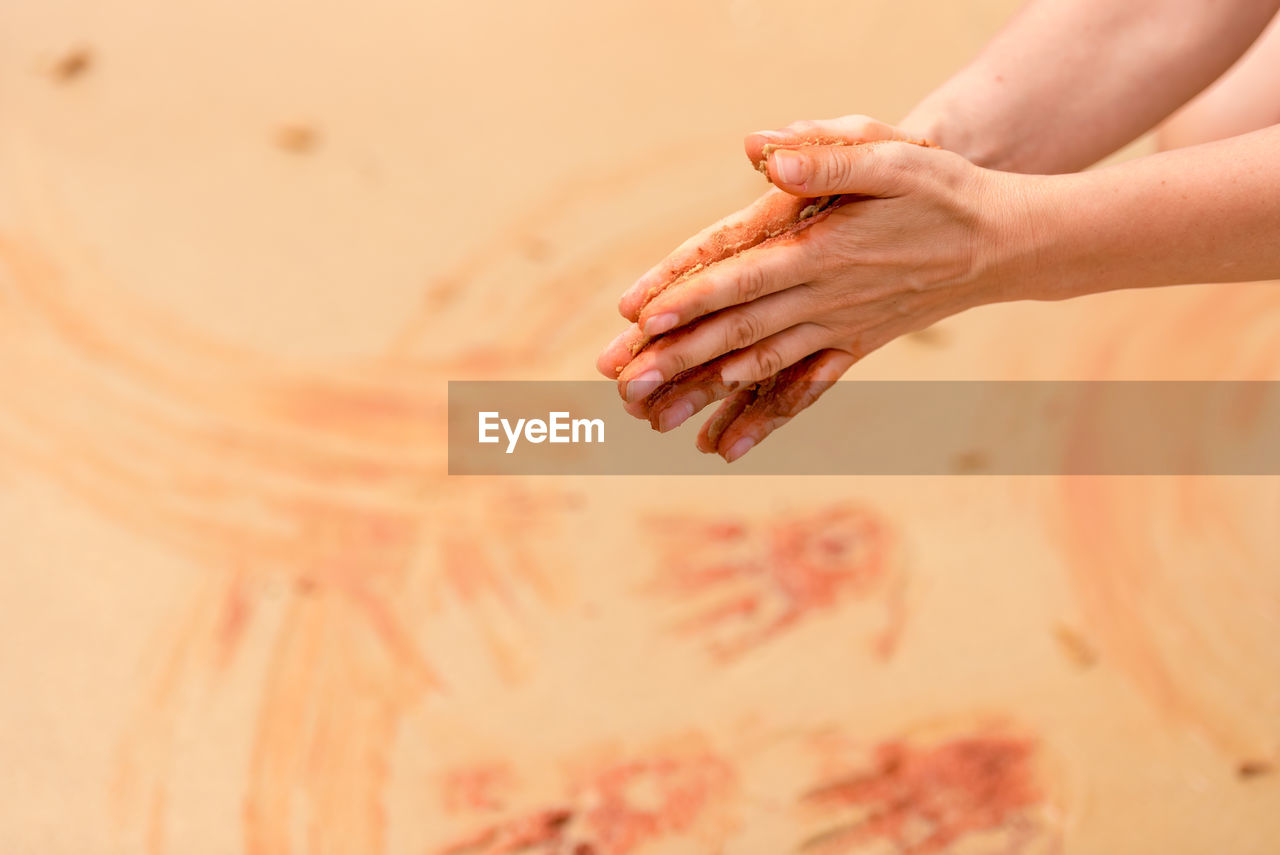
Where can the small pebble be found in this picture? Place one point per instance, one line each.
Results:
(1081, 653)
(297, 138)
(1254, 769)
(73, 63)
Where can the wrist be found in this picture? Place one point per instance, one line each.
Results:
(1069, 238)
(1019, 215)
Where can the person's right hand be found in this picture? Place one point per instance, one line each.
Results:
(774, 209)
(911, 238)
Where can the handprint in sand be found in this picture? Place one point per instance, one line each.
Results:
(734, 583)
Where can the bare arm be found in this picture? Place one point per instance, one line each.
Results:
(930, 234)
(1206, 213)
(924, 234)
(1067, 82)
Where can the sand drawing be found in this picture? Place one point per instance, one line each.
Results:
(677, 796)
(307, 508)
(981, 787)
(319, 485)
(736, 583)
(1176, 575)
(311, 497)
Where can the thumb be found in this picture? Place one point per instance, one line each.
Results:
(868, 169)
(846, 130)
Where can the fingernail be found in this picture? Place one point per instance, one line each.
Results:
(769, 135)
(791, 168)
(738, 449)
(659, 324)
(641, 386)
(674, 416)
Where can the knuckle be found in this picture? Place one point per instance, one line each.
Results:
(859, 124)
(825, 332)
(836, 169)
(752, 283)
(769, 360)
(895, 157)
(675, 364)
(813, 257)
(743, 329)
(856, 347)
(671, 359)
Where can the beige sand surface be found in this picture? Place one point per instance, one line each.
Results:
(244, 244)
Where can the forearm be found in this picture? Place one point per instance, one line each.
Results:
(1069, 81)
(1207, 213)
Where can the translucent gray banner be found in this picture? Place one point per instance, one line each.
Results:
(886, 428)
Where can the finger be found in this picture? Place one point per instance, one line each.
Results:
(714, 427)
(771, 355)
(874, 169)
(761, 271)
(712, 336)
(845, 129)
(766, 217)
(619, 352)
(746, 424)
(673, 404)
(638, 409)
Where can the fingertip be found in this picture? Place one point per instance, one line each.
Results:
(629, 304)
(640, 386)
(618, 353)
(738, 448)
(711, 429)
(606, 363)
(639, 409)
(754, 143)
(634, 298)
(674, 415)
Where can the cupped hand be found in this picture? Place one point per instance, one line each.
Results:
(869, 235)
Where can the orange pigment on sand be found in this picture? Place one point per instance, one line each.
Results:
(617, 806)
(743, 582)
(920, 799)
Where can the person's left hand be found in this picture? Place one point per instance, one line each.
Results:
(917, 234)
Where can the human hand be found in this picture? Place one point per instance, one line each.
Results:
(859, 244)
